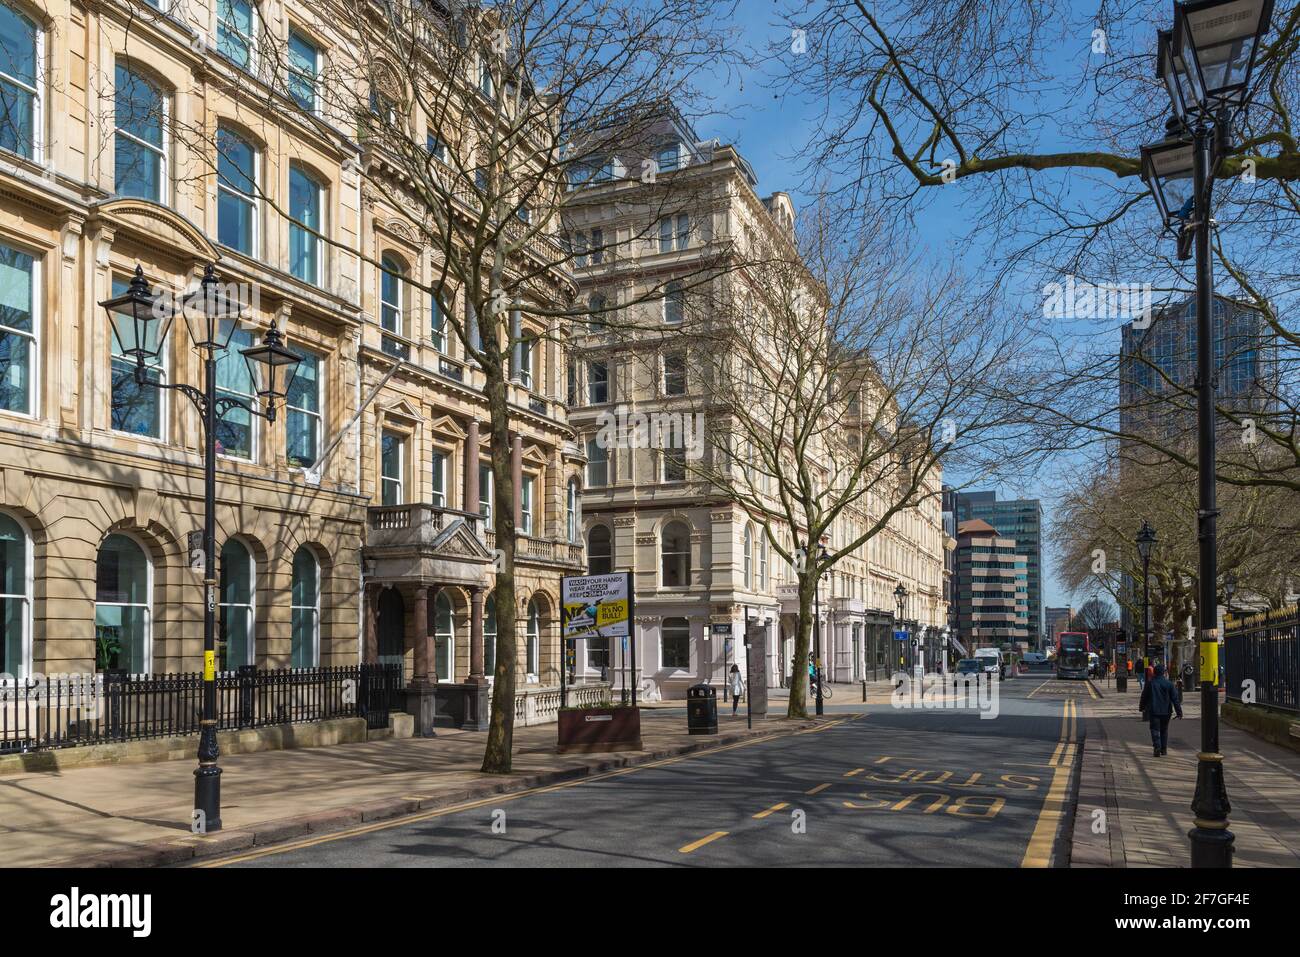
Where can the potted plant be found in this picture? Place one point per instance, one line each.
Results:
(602, 727)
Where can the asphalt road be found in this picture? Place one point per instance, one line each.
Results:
(880, 786)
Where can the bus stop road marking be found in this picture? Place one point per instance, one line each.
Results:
(772, 810)
(818, 789)
(696, 845)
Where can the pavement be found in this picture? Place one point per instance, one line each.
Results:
(139, 815)
(1134, 810)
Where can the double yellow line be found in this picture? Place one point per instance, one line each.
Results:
(1039, 851)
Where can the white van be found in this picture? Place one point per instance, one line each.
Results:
(991, 659)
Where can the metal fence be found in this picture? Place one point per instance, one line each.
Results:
(62, 711)
(1262, 654)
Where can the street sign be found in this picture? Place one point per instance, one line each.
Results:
(595, 605)
(900, 636)
(194, 545)
(721, 629)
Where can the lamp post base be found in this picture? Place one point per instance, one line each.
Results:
(1211, 847)
(1212, 842)
(207, 783)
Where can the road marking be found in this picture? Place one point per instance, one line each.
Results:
(772, 810)
(849, 774)
(1039, 851)
(494, 800)
(696, 845)
(883, 760)
(818, 789)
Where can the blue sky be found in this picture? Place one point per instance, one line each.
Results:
(769, 130)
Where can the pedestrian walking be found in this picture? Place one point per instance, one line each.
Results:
(1160, 700)
(737, 688)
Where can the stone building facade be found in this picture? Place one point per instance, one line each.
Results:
(703, 569)
(350, 528)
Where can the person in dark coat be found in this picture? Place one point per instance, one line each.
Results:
(1160, 700)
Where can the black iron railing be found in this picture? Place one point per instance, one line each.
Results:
(62, 711)
(1262, 659)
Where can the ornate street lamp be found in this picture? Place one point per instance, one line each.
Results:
(1205, 63)
(1216, 42)
(1229, 589)
(141, 320)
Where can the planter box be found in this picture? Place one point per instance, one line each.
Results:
(589, 730)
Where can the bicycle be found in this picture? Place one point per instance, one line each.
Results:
(826, 689)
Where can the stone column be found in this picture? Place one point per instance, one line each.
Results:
(517, 476)
(420, 636)
(476, 691)
(371, 650)
(476, 636)
(471, 467)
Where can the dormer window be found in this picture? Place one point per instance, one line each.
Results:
(669, 157)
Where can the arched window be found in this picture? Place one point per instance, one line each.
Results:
(675, 548)
(600, 551)
(15, 598)
(444, 638)
(237, 162)
(235, 607)
(675, 643)
(490, 635)
(533, 646)
(123, 610)
(139, 142)
(390, 295)
(304, 610)
(438, 322)
(21, 48)
(749, 556)
(307, 218)
(571, 511)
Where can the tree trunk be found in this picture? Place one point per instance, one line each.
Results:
(501, 725)
(799, 668)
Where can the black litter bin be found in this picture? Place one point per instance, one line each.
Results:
(702, 709)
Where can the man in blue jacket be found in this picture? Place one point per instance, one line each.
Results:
(1160, 700)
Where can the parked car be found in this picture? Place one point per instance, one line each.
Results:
(968, 666)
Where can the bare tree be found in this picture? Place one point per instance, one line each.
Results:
(841, 376)
(474, 123)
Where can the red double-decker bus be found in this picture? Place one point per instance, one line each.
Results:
(1072, 655)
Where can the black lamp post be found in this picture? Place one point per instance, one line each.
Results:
(141, 320)
(817, 625)
(900, 599)
(1146, 540)
(1205, 63)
